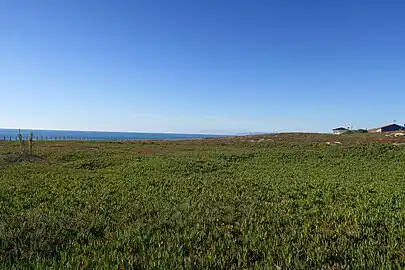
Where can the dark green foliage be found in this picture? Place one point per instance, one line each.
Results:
(17, 157)
(356, 131)
(202, 205)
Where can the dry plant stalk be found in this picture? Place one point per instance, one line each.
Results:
(30, 142)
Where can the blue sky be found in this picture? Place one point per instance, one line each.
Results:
(201, 66)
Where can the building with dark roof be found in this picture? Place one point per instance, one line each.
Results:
(339, 130)
(387, 128)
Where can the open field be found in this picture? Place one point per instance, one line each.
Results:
(287, 201)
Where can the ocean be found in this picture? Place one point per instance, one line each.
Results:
(6, 134)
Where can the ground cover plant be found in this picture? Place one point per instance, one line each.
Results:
(286, 201)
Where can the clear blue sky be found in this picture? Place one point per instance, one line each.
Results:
(201, 66)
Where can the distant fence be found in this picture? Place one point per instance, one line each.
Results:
(68, 138)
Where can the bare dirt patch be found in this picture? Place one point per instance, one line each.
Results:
(89, 148)
(146, 151)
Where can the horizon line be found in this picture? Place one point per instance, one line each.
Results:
(114, 131)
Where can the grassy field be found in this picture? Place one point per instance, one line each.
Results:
(288, 201)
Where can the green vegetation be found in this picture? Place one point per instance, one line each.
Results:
(289, 202)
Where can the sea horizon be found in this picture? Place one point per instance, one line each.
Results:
(50, 134)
